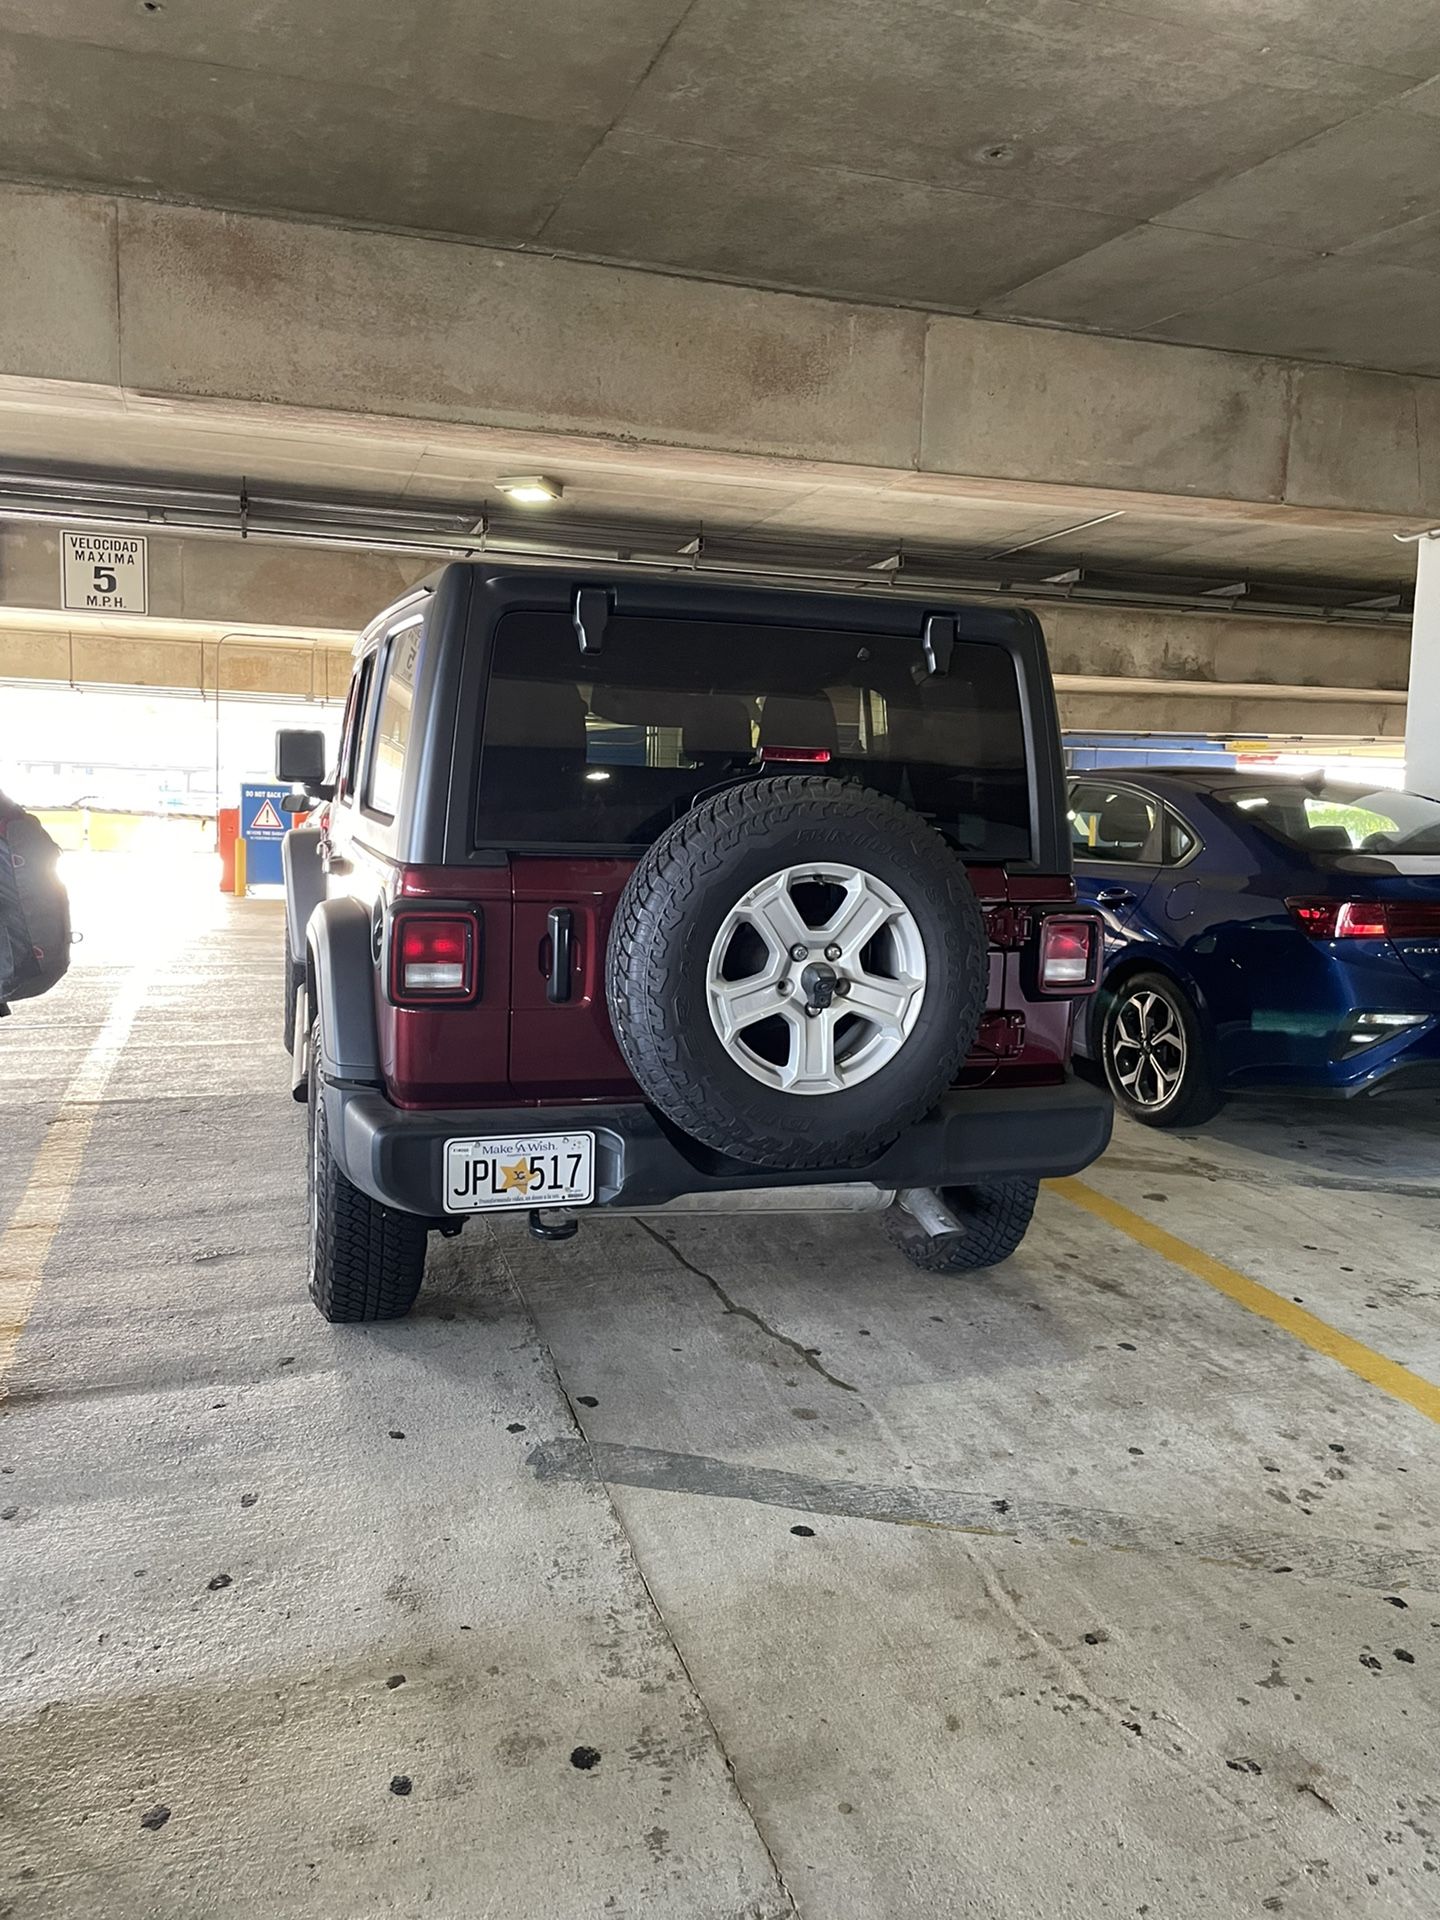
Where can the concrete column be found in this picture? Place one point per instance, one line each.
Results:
(1422, 726)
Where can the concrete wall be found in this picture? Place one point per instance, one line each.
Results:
(1204, 648)
(1116, 669)
(142, 304)
(318, 670)
(232, 584)
(1230, 716)
(184, 663)
(247, 583)
(237, 584)
(182, 314)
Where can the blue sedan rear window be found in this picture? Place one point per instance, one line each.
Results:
(1325, 817)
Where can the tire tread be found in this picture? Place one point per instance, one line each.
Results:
(368, 1259)
(996, 1219)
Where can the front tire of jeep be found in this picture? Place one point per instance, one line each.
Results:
(994, 1218)
(366, 1261)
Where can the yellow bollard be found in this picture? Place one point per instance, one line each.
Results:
(240, 867)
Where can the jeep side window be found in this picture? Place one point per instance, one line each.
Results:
(350, 727)
(607, 749)
(392, 726)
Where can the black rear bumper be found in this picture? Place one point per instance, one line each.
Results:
(981, 1134)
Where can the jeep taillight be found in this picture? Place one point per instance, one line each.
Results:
(1069, 954)
(432, 957)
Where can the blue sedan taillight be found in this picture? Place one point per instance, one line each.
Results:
(1367, 919)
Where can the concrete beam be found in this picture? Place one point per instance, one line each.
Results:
(182, 661)
(1232, 715)
(1203, 649)
(230, 582)
(219, 314)
(1150, 696)
(237, 587)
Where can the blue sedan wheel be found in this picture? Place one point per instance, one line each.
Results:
(1156, 1056)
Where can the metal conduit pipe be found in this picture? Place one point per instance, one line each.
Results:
(443, 533)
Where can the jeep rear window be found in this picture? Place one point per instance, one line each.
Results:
(607, 749)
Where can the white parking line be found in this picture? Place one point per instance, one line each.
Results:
(41, 1211)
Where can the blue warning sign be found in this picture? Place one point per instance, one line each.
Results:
(263, 826)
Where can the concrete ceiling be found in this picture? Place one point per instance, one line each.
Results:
(1252, 174)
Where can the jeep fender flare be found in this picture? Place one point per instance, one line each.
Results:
(340, 977)
(304, 887)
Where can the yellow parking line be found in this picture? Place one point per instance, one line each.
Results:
(1315, 1333)
(26, 1242)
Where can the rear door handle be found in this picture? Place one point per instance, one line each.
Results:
(1115, 897)
(561, 925)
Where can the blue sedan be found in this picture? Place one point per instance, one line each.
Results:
(1261, 931)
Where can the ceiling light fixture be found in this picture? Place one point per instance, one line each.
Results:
(530, 489)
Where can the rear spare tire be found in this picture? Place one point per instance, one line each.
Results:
(796, 972)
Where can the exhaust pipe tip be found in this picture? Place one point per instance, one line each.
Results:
(928, 1211)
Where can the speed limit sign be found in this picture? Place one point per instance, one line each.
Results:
(103, 573)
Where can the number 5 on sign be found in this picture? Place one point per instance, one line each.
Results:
(103, 573)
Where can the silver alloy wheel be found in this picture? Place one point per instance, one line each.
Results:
(845, 990)
(1148, 1049)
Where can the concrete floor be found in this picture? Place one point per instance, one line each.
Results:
(1114, 1599)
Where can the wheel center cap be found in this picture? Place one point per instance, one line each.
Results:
(818, 983)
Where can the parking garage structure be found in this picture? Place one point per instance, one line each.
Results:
(707, 1566)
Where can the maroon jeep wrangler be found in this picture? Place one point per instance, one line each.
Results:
(650, 895)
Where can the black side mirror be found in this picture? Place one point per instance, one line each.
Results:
(300, 760)
(296, 803)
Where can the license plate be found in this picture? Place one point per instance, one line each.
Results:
(538, 1170)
